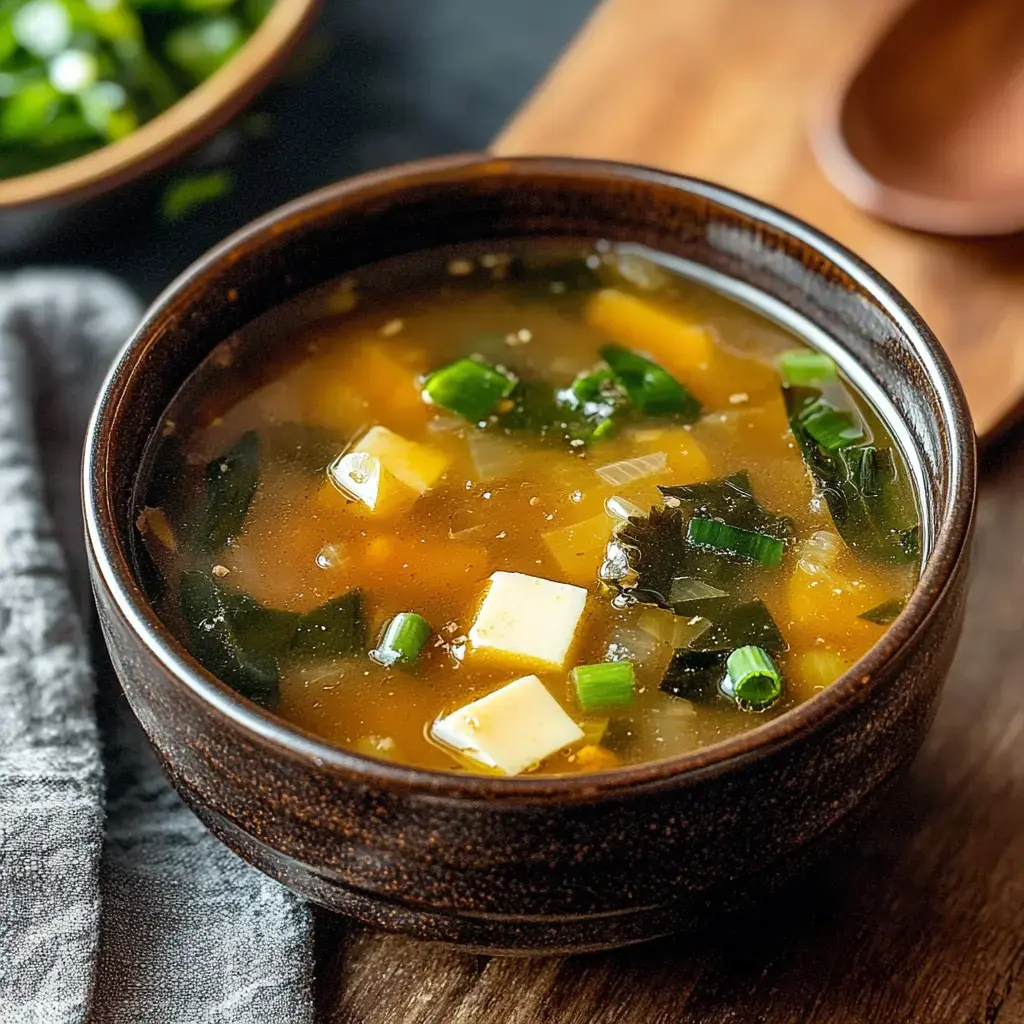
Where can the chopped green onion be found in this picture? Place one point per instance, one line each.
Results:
(470, 388)
(753, 681)
(885, 613)
(652, 390)
(801, 367)
(832, 428)
(746, 544)
(605, 685)
(403, 640)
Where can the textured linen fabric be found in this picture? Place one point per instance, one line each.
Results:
(116, 905)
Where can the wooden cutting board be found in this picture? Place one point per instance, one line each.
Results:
(726, 90)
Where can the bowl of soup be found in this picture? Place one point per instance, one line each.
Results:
(533, 554)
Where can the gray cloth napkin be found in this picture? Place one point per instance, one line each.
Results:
(116, 905)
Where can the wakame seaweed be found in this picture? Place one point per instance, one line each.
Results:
(337, 628)
(870, 504)
(732, 500)
(742, 625)
(695, 675)
(244, 643)
(884, 614)
(220, 639)
(231, 481)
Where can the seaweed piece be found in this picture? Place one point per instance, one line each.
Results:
(655, 551)
(732, 500)
(885, 613)
(869, 501)
(744, 625)
(337, 628)
(231, 481)
(695, 675)
(219, 642)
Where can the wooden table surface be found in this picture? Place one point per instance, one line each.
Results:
(922, 921)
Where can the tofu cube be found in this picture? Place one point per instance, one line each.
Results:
(416, 465)
(528, 619)
(362, 478)
(511, 729)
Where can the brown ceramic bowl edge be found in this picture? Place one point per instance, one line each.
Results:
(946, 551)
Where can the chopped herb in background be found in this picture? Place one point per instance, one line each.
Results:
(185, 196)
(76, 75)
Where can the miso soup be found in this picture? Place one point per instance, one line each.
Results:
(547, 509)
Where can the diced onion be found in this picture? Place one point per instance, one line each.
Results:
(621, 508)
(494, 455)
(445, 424)
(821, 548)
(668, 628)
(630, 470)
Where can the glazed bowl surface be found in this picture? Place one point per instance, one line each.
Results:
(553, 863)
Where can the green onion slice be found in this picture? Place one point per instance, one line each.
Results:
(752, 679)
(402, 640)
(800, 367)
(606, 685)
(733, 540)
(470, 388)
(652, 390)
(832, 428)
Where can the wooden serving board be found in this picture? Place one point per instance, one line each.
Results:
(727, 90)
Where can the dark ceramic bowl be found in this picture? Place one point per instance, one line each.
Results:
(537, 864)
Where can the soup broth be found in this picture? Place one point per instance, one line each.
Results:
(551, 509)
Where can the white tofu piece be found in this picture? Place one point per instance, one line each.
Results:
(511, 729)
(526, 618)
(416, 465)
(362, 478)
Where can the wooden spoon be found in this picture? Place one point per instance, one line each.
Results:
(928, 131)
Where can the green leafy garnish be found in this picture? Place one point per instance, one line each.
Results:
(885, 613)
(652, 390)
(231, 482)
(79, 74)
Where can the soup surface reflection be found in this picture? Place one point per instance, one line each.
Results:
(549, 510)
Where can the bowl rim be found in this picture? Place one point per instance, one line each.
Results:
(196, 116)
(949, 546)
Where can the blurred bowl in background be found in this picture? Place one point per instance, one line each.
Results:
(87, 190)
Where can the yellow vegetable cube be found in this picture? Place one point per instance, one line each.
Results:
(579, 549)
(418, 466)
(669, 340)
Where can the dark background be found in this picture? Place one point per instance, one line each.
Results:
(378, 82)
